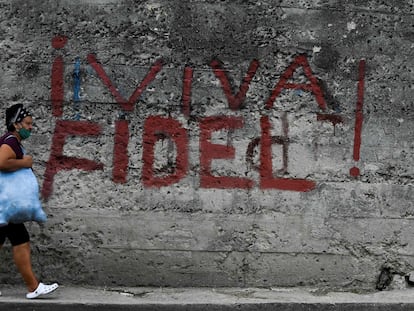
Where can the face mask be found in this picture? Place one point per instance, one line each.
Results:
(24, 133)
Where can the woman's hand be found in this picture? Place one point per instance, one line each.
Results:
(27, 161)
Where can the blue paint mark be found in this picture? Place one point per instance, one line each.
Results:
(76, 80)
(76, 88)
(298, 93)
(76, 116)
(121, 116)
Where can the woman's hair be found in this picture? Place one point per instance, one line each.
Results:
(15, 114)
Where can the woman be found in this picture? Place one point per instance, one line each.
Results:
(19, 124)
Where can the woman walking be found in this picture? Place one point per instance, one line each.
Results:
(19, 124)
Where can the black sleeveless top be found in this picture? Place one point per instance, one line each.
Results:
(13, 142)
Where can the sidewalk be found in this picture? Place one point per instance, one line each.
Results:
(200, 299)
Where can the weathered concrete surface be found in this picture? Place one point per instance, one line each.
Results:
(115, 225)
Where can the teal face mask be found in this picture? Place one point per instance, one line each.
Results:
(24, 133)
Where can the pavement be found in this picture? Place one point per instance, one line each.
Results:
(199, 299)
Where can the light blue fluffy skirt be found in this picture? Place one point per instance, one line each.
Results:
(19, 197)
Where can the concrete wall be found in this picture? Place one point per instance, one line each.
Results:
(216, 143)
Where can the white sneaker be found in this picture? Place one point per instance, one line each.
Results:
(42, 289)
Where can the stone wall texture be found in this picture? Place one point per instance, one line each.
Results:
(216, 143)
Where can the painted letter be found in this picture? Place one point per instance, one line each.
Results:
(359, 117)
(236, 101)
(154, 128)
(120, 161)
(267, 181)
(186, 99)
(209, 151)
(57, 161)
(127, 105)
(314, 87)
(57, 86)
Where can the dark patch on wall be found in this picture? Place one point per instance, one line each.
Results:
(31, 70)
(213, 30)
(327, 58)
(331, 101)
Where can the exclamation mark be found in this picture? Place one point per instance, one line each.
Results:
(354, 171)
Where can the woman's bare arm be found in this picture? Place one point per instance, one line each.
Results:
(8, 161)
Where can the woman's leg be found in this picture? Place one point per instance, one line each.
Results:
(22, 259)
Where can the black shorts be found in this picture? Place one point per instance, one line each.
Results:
(16, 233)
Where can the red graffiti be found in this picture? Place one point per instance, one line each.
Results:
(186, 98)
(57, 87)
(354, 171)
(121, 159)
(313, 86)
(121, 128)
(127, 105)
(59, 42)
(235, 101)
(267, 180)
(57, 161)
(157, 128)
(210, 151)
